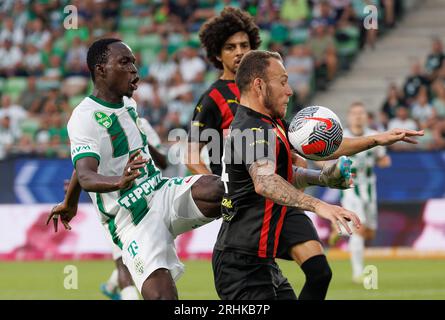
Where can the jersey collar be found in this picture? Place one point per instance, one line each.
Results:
(105, 103)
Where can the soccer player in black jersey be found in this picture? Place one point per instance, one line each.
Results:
(226, 39)
(261, 190)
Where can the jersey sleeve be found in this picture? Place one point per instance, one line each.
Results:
(205, 116)
(84, 137)
(253, 143)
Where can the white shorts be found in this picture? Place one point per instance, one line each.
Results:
(366, 210)
(150, 245)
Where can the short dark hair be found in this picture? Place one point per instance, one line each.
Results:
(98, 53)
(215, 32)
(254, 65)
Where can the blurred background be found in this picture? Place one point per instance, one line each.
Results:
(397, 70)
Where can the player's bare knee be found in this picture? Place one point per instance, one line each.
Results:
(208, 188)
(159, 286)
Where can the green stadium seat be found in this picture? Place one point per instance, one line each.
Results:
(347, 41)
(148, 55)
(265, 39)
(2, 84)
(210, 77)
(29, 126)
(75, 100)
(347, 44)
(129, 24)
(279, 33)
(132, 39)
(14, 86)
(299, 35)
(194, 39)
(152, 41)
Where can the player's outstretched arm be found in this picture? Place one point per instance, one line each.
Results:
(91, 181)
(351, 146)
(272, 186)
(67, 209)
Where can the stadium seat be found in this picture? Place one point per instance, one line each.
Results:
(14, 86)
(29, 126)
(75, 100)
(2, 84)
(132, 39)
(265, 39)
(152, 41)
(211, 77)
(129, 24)
(299, 35)
(279, 33)
(347, 44)
(148, 55)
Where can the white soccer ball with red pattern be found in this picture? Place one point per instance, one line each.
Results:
(315, 132)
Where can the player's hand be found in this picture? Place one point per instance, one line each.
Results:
(337, 174)
(66, 214)
(131, 170)
(338, 216)
(392, 136)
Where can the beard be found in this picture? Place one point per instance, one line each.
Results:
(270, 105)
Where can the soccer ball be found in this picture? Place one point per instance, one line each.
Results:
(315, 132)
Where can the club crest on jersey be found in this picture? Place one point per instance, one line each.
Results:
(102, 119)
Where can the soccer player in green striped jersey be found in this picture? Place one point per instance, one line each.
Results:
(142, 210)
(362, 198)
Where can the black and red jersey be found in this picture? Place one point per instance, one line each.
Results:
(251, 223)
(215, 110)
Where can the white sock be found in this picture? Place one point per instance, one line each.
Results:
(130, 293)
(112, 283)
(357, 248)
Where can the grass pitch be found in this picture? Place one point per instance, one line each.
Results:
(397, 279)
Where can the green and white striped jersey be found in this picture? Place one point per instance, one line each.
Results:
(110, 132)
(363, 164)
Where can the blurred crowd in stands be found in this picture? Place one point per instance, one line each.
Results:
(43, 71)
(420, 103)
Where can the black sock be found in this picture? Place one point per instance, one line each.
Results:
(318, 275)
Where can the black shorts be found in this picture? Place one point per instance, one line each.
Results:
(246, 277)
(297, 228)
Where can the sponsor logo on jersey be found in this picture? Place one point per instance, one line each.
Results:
(143, 189)
(227, 203)
(102, 119)
(133, 249)
(198, 124)
(80, 149)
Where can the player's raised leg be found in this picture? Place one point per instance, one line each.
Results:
(207, 194)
